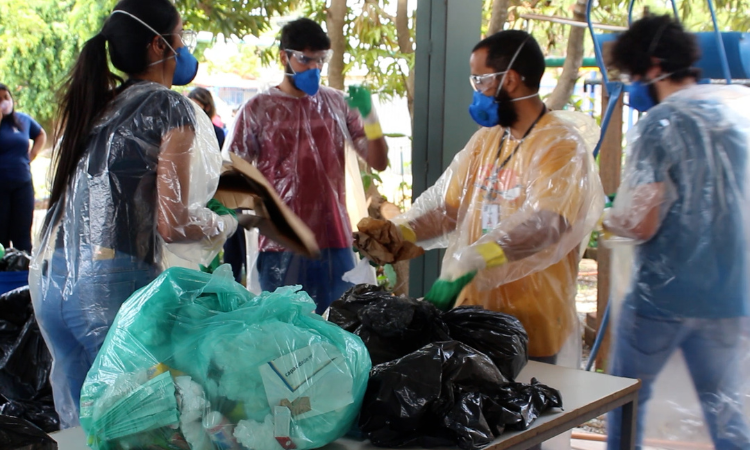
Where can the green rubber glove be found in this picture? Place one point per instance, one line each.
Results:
(360, 98)
(219, 208)
(443, 294)
(211, 267)
(2, 251)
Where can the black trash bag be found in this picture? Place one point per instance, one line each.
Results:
(15, 310)
(518, 405)
(40, 412)
(344, 312)
(446, 394)
(15, 260)
(19, 434)
(25, 368)
(390, 327)
(497, 335)
(395, 327)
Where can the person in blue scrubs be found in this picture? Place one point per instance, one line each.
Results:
(16, 154)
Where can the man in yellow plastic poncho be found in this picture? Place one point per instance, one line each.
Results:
(517, 202)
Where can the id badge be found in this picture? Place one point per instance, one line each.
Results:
(490, 217)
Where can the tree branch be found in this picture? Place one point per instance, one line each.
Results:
(573, 60)
(405, 44)
(335, 19)
(499, 16)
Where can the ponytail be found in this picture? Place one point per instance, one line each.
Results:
(83, 96)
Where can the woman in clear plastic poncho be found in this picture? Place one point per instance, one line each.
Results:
(120, 186)
(683, 203)
(517, 202)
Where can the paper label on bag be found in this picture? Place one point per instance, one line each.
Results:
(312, 380)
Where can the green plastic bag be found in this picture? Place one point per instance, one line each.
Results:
(225, 369)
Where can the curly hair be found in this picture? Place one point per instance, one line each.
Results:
(659, 37)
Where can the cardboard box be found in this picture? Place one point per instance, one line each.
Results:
(242, 186)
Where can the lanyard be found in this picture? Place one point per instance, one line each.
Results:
(507, 132)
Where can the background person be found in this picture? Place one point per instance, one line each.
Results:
(17, 189)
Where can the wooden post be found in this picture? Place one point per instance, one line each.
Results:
(610, 161)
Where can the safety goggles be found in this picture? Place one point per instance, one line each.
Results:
(481, 82)
(189, 38)
(320, 58)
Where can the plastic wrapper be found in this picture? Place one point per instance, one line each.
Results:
(25, 364)
(205, 164)
(14, 260)
(393, 327)
(18, 434)
(679, 290)
(538, 199)
(195, 358)
(447, 394)
(128, 195)
(307, 149)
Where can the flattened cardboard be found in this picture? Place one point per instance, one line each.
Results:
(242, 186)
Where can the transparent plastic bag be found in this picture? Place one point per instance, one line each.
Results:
(205, 164)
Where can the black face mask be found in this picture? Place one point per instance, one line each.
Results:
(506, 110)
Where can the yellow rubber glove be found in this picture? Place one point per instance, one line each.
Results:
(407, 233)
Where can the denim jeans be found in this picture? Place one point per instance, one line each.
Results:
(77, 308)
(643, 345)
(320, 278)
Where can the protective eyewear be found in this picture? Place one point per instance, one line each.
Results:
(482, 82)
(319, 58)
(189, 38)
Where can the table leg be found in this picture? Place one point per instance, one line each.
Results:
(629, 416)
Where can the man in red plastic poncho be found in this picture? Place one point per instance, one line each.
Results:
(296, 134)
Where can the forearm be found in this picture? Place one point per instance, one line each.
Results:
(377, 153)
(542, 230)
(37, 145)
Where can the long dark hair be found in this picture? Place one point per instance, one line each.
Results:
(203, 96)
(12, 117)
(91, 85)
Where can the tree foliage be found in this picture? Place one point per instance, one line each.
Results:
(41, 38)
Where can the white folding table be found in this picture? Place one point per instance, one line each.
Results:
(585, 396)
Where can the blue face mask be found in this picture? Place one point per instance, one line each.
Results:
(640, 97)
(484, 110)
(307, 81)
(186, 68)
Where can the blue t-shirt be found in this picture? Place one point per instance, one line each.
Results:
(14, 147)
(695, 265)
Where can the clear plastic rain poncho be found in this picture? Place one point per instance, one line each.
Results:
(680, 270)
(130, 193)
(303, 146)
(544, 190)
(195, 361)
